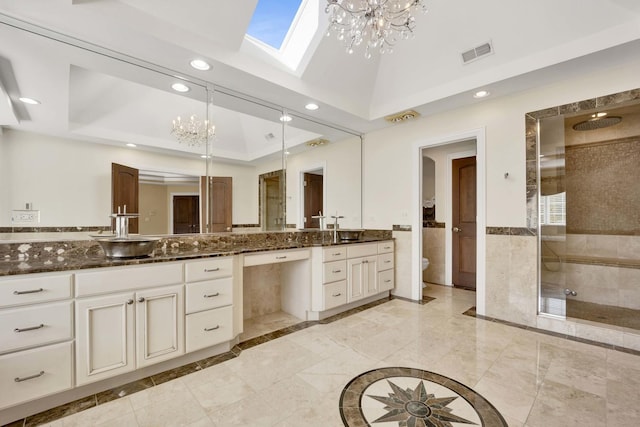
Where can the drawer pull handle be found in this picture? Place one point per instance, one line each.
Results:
(281, 257)
(336, 254)
(32, 328)
(336, 295)
(30, 377)
(211, 270)
(212, 329)
(336, 271)
(211, 295)
(32, 291)
(387, 281)
(387, 261)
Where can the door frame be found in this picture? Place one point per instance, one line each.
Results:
(170, 207)
(479, 135)
(311, 167)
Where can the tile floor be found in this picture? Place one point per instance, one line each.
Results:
(533, 379)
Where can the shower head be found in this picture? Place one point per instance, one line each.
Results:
(597, 123)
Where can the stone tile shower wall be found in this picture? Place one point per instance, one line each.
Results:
(600, 254)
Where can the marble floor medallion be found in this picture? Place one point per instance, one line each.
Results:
(407, 397)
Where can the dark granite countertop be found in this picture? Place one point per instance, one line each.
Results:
(43, 257)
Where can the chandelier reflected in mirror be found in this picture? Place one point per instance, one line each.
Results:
(192, 132)
(378, 24)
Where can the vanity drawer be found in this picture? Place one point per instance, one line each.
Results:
(34, 326)
(360, 250)
(385, 261)
(334, 253)
(31, 374)
(334, 294)
(209, 328)
(386, 280)
(213, 268)
(113, 279)
(273, 257)
(209, 294)
(35, 288)
(385, 247)
(334, 271)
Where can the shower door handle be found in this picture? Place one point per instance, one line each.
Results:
(457, 229)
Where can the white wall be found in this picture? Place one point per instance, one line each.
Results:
(69, 181)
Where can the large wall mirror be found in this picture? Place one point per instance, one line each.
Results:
(100, 110)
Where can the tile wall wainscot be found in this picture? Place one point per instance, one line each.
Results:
(577, 328)
(512, 287)
(433, 248)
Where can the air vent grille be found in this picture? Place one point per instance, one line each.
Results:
(477, 52)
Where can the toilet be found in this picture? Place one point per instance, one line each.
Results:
(425, 265)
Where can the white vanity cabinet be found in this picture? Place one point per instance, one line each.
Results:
(36, 336)
(350, 272)
(362, 262)
(140, 325)
(209, 302)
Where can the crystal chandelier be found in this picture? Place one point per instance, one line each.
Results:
(193, 132)
(379, 24)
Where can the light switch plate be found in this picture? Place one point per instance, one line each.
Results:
(25, 217)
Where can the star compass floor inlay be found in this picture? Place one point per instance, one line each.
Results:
(407, 397)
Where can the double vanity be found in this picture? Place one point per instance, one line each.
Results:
(74, 322)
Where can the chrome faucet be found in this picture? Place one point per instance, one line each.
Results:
(320, 219)
(335, 226)
(122, 222)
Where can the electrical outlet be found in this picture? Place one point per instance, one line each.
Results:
(25, 217)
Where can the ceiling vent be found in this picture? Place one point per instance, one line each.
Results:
(477, 52)
(401, 117)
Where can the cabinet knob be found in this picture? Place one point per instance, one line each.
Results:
(141, 299)
(129, 301)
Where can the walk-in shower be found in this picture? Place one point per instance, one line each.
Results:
(588, 187)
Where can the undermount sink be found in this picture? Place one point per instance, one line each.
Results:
(126, 247)
(348, 234)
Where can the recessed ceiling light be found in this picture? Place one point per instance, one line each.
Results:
(29, 100)
(131, 145)
(481, 94)
(285, 118)
(311, 106)
(180, 87)
(200, 64)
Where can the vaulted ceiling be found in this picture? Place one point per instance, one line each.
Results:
(532, 43)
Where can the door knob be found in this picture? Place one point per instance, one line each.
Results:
(457, 229)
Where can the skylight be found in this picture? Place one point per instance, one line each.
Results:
(272, 19)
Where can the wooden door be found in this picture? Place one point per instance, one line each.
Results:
(104, 337)
(220, 203)
(186, 214)
(124, 192)
(464, 222)
(159, 324)
(313, 203)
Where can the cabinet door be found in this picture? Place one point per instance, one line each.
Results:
(105, 337)
(159, 324)
(370, 277)
(355, 279)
